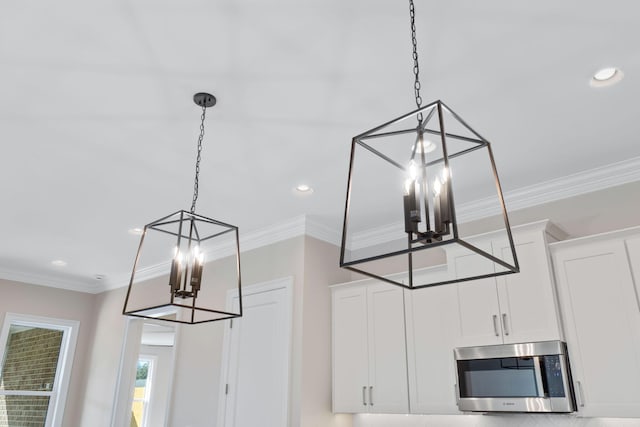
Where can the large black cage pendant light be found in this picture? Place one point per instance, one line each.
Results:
(187, 268)
(409, 181)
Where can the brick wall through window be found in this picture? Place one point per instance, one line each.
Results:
(30, 363)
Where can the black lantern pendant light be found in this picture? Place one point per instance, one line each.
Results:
(401, 214)
(187, 268)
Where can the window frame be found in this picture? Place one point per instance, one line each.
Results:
(146, 400)
(58, 393)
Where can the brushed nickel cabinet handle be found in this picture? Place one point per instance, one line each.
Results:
(495, 325)
(504, 324)
(371, 395)
(364, 395)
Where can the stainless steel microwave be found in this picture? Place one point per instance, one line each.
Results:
(531, 377)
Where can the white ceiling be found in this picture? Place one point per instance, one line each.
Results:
(98, 129)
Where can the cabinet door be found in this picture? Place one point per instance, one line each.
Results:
(350, 354)
(387, 390)
(602, 320)
(527, 299)
(478, 302)
(432, 325)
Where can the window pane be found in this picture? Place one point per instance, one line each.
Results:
(23, 411)
(141, 393)
(31, 358)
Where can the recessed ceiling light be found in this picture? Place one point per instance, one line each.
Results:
(428, 147)
(59, 263)
(136, 231)
(606, 77)
(304, 188)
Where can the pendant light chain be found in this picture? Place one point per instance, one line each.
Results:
(416, 67)
(196, 180)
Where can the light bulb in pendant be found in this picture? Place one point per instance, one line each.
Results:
(412, 170)
(196, 269)
(437, 186)
(407, 186)
(175, 276)
(445, 174)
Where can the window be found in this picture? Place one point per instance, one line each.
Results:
(34, 375)
(142, 391)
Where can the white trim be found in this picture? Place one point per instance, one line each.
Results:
(323, 232)
(177, 327)
(25, 393)
(548, 191)
(124, 375)
(298, 226)
(49, 280)
(624, 233)
(575, 184)
(130, 350)
(271, 285)
(69, 330)
(555, 189)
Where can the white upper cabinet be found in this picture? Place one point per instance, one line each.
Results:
(387, 350)
(598, 289)
(369, 349)
(478, 306)
(350, 350)
(432, 322)
(513, 308)
(527, 300)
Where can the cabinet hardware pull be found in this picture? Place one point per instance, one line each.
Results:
(580, 394)
(495, 325)
(364, 396)
(504, 323)
(371, 395)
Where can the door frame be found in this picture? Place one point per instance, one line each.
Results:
(285, 283)
(123, 393)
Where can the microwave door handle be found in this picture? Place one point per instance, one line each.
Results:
(537, 367)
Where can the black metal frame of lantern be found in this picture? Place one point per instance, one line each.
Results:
(190, 231)
(444, 230)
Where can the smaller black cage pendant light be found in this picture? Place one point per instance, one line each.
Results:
(187, 268)
(409, 179)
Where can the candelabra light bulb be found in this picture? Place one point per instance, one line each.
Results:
(437, 186)
(412, 170)
(407, 186)
(445, 174)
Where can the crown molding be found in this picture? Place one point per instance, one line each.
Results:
(294, 227)
(66, 283)
(548, 191)
(323, 232)
(572, 185)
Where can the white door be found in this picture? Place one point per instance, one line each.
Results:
(257, 349)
